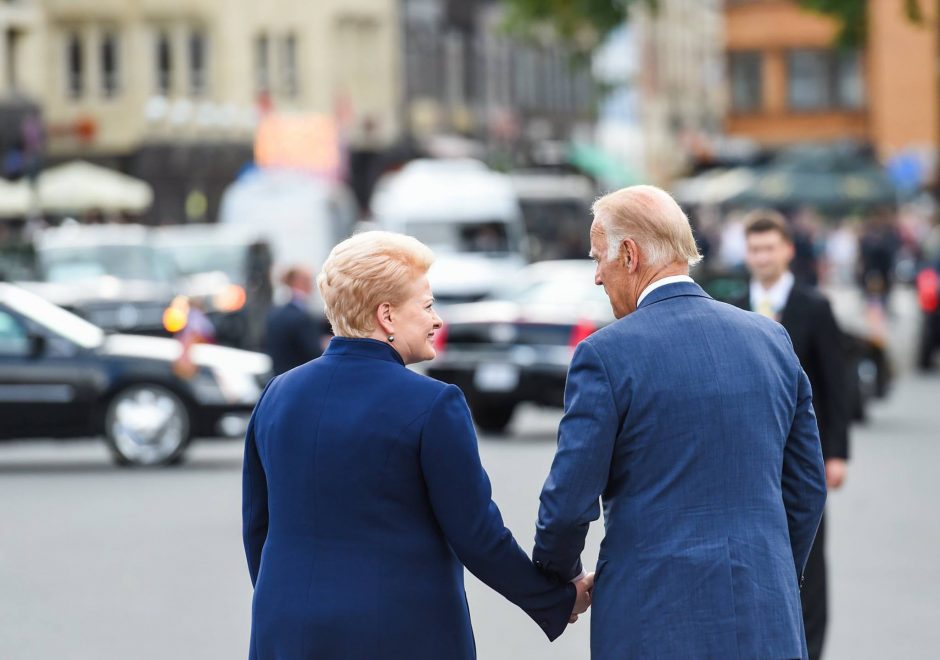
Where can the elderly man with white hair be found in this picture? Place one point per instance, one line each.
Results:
(693, 422)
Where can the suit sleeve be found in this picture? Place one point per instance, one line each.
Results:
(254, 498)
(578, 477)
(832, 384)
(461, 498)
(804, 476)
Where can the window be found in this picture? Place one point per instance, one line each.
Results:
(291, 78)
(262, 65)
(198, 69)
(808, 85)
(164, 60)
(13, 337)
(746, 81)
(109, 64)
(824, 79)
(74, 65)
(850, 83)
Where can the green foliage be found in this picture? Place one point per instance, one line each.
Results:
(852, 16)
(580, 23)
(583, 23)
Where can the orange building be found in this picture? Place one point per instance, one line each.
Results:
(787, 82)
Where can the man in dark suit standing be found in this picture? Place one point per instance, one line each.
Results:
(294, 337)
(807, 317)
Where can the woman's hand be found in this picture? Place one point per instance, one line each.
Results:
(583, 601)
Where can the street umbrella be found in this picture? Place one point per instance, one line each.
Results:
(78, 186)
(14, 199)
(713, 187)
(601, 165)
(824, 190)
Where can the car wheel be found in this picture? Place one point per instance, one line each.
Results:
(147, 425)
(493, 417)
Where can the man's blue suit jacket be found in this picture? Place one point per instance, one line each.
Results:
(693, 421)
(364, 498)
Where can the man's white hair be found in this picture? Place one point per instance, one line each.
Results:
(652, 218)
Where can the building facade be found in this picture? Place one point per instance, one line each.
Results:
(788, 82)
(465, 74)
(163, 87)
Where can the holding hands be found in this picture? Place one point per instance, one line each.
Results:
(584, 584)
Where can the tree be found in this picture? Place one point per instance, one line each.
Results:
(852, 17)
(581, 23)
(584, 23)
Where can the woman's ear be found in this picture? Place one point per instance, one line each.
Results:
(384, 317)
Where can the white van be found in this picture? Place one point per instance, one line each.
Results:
(468, 214)
(300, 216)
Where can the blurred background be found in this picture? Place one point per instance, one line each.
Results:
(172, 174)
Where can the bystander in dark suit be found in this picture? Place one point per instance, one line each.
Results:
(807, 317)
(294, 336)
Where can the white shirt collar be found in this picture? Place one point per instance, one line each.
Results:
(672, 279)
(776, 295)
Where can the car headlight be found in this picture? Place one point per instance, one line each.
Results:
(237, 386)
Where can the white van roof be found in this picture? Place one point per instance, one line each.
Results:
(458, 190)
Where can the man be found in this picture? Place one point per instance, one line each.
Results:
(693, 421)
(808, 319)
(293, 335)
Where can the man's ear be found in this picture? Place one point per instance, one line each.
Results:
(629, 254)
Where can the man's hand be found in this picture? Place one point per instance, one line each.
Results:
(584, 585)
(835, 472)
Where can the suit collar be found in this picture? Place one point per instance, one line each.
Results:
(672, 291)
(367, 348)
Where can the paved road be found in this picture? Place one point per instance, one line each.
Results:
(99, 563)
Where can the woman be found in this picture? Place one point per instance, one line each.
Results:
(364, 496)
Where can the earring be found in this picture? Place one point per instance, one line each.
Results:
(391, 339)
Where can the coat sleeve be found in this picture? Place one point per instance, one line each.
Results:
(461, 499)
(804, 477)
(579, 473)
(254, 498)
(832, 386)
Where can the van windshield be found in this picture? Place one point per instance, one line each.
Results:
(484, 237)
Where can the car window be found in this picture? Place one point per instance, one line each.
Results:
(484, 237)
(13, 337)
(53, 318)
(194, 259)
(126, 262)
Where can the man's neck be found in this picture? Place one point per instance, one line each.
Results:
(767, 285)
(656, 274)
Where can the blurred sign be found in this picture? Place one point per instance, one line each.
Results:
(302, 142)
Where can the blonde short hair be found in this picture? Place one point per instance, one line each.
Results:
(363, 272)
(652, 218)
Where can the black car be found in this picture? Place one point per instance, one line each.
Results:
(928, 296)
(110, 275)
(516, 346)
(62, 377)
(227, 272)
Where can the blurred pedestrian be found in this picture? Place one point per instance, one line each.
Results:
(808, 319)
(842, 253)
(364, 495)
(293, 335)
(879, 247)
(805, 236)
